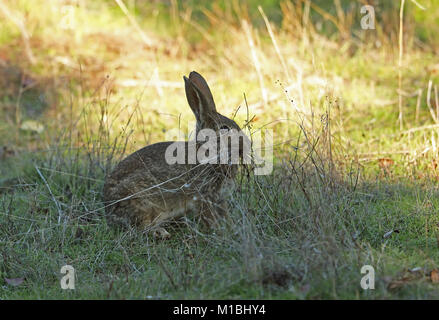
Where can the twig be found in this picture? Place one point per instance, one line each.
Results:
(418, 105)
(326, 16)
(418, 5)
(270, 98)
(155, 80)
(198, 27)
(60, 214)
(166, 271)
(255, 59)
(273, 40)
(436, 101)
(431, 126)
(430, 83)
(133, 21)
(401, 16)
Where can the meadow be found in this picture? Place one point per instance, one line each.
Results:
(353, 114)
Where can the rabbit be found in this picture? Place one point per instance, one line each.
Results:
(145, 191)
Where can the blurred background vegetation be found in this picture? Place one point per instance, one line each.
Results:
(62, 59)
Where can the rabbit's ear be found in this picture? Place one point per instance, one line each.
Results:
(199, 96)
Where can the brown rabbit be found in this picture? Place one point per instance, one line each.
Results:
(145, 190)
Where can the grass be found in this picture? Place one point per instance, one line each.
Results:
(345, 175)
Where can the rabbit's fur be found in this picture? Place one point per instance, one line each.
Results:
(145, 191)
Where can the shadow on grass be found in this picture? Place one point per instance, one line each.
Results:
(303, 232)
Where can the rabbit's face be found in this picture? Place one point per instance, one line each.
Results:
(209, 122)
(232, 142)
(220, 124)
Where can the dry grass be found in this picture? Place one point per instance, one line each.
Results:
(110, 81)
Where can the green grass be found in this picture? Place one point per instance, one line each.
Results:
(275, 245)
(303, 232)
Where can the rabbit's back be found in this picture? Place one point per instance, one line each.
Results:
(144, 189)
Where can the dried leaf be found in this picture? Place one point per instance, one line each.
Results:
(395, 284)
(406, 277)
(385, 163)
(404, 280)
(15, 282)
(434, 276)
(433, 68)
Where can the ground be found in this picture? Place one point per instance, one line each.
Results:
(354, 127)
